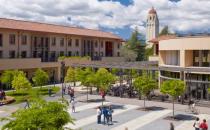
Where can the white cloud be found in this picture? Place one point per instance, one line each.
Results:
(184, 16)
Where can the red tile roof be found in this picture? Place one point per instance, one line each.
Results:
(152, 11)
(51, 28)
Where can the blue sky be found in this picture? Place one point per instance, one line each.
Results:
(117, 16)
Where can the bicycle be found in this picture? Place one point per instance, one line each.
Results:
(193, 110)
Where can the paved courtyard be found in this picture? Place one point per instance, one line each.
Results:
(126, 114)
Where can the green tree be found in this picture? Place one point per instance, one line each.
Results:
(174, 88)
(40, 78)
(41, 115)
(135, 45)
(20, 82)
(144, 85)
(128, 54)
(164, 31)
(8, 76)
(71, 76)
(104, 79)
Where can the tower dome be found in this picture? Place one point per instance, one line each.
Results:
(152, 11)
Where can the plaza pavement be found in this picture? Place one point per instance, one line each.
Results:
(126, 114)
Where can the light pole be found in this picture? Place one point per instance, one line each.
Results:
(54, 78)
(62, 75)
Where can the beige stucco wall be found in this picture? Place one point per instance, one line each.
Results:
(185, 43)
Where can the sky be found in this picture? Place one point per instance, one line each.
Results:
(117, 16)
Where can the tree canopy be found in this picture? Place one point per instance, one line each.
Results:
(8, 76)
(164, 31)
(144, 85)
(20, 82)
(54, 116)
(174, 88)
(70, 75)
(104, 79)
(134, 48)
(40, 77)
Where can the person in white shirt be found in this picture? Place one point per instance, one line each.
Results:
(99, 115)
(196, 124)
(73, 103)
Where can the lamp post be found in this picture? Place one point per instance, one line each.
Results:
(54, 78)
(62, 75)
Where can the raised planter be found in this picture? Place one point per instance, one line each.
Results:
(8, 100)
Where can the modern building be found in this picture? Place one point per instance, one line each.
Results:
(152, 26)
(29, 45)
(186, 58)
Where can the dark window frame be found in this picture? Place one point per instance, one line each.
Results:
(53, 43)
(69, 42)
(1, 40)
(77, 42)
(12, 39)
(12, 54)
(62, 42)
(23, 55)
(1, 54)
(24, 39)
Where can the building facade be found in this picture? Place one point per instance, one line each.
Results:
(152, 26)
(39, 45)
(188, 59)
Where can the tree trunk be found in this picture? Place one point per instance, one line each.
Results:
(173, 107)
(144, 103)
(87, 94)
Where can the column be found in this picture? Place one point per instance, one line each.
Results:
(200, 58)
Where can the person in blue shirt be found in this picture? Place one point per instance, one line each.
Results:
(105, 114)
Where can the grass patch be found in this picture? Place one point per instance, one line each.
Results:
(31, 94)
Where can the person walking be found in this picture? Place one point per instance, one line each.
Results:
(196, 124)
(204, 125)
(110, 111)
(105, 114)
(171, 126)
(99, 115)
(73, 105)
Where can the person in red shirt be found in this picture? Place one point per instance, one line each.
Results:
(204, 125)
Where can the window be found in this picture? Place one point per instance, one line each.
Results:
(54, 41)
(11, 54)
(96, 44)
(102, 45)
(96, 53)
(42, 42)
(102, 54)
(69, 42)
(12, 39)
(1, 54)
(1, 40)
(69, 53)
(23, 54)
(77, 53)
(53, 56)
(62, 42)
(77, 43)
(195, 58)
(61, 53)
(118, 46)
(24, 39)
(118, 54)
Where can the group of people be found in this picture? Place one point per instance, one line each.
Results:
(106, 113)
(2, 95)
(200, 126)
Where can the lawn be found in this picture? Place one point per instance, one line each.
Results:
(31, 94)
